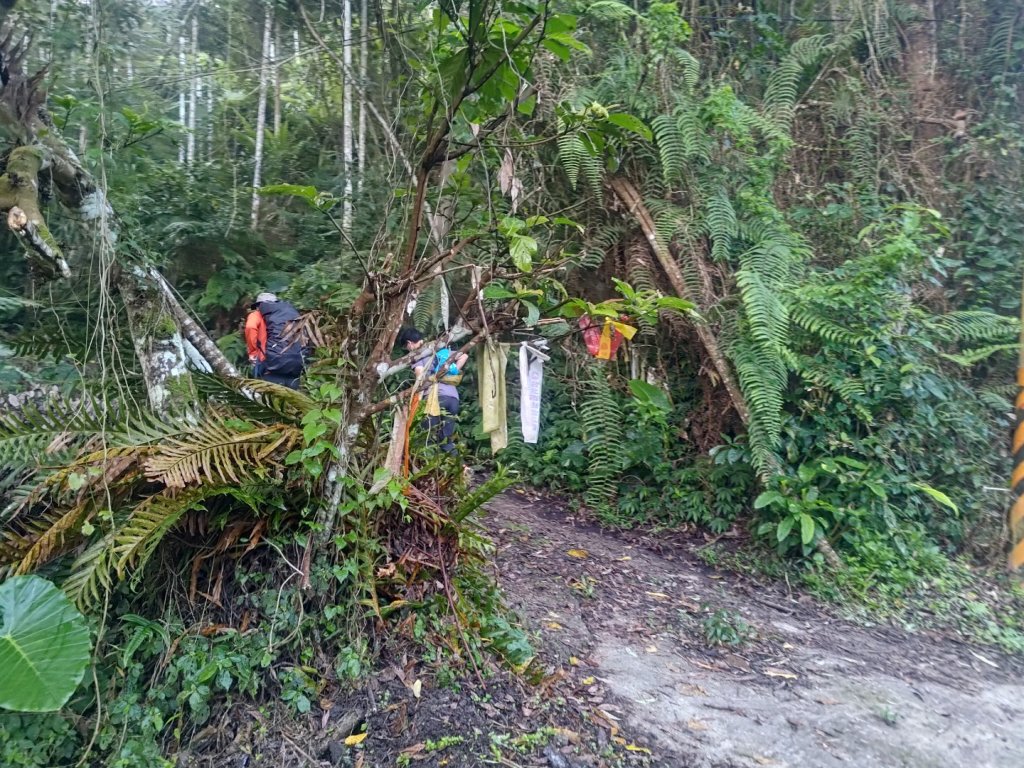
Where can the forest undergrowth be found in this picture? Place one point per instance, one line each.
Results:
(809, 214)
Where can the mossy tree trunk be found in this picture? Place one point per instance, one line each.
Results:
(152, 309)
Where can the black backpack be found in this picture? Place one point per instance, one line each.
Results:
(284, 347)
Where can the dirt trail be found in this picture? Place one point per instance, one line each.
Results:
(809, 690)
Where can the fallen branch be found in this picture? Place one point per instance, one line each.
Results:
(193, 332)
(36, 239)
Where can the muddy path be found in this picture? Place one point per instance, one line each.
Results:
(624, 621)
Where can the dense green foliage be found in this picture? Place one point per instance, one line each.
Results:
(815, 225)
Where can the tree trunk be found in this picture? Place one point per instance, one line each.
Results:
(346, 116)
(275, 47)
(209, 115)
(364, 60)
(158, 343)
(261, 115)
(182, 116)
(630, 197)
(928, 89)
(193, 95)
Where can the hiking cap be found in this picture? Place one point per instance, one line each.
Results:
(268, 297)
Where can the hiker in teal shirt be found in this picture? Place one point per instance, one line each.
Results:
(441, 428)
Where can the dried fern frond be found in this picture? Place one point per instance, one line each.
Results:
(218, 451)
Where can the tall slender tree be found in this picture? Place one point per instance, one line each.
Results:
(261, 114)
(364, 60)
(346, 115)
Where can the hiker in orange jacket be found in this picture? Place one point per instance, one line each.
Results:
(273, 357)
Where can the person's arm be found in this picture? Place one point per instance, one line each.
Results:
(461, 360)
(255, 336)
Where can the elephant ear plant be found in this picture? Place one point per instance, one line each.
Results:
(44, 646)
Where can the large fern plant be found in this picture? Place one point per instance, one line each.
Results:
(110, 483)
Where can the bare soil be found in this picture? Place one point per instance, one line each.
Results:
(809, 689)
(625, 676)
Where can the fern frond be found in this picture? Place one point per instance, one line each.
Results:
(767, 316)
(850, 390)
(135, 541)
(610, 10)
(971, 357)
(720, 223)
(763, 376)
(781, 93)
(218, 451)
(975, 325)
(11, 303)
(694, 136)
(257, 398)
(641, 276)
(999, 55)
(672, 151)
(600, 243)
(688, 66)
(91, 573)
(427, 314)
(53, 536)
(29, 433)
(670, 221)
(824, 328)
(602, 423)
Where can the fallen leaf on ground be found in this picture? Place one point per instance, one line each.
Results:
(783, 673)
(696, 725)
(355, 738)
(652, 649)
(635, 748)
(737, 662)
(981, 658)
(571, 736)
(414, 749)
(553, 625)
(625, 559)
(762, 760)
(689, 689)
(573, 661)
(416, 688)
(589, 680)
(659, 595)
(579, 554)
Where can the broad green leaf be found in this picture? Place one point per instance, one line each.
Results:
(630, 123)
(510, 225)
(44, 646)
(674, 302)
(856, 464)
(938, 495)
(784, 528)
(532, 314)
(806, 528)
(766, 498)
(304, 191)
(495, 291)
(648, 393)
(568, 223)
(522, 249)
